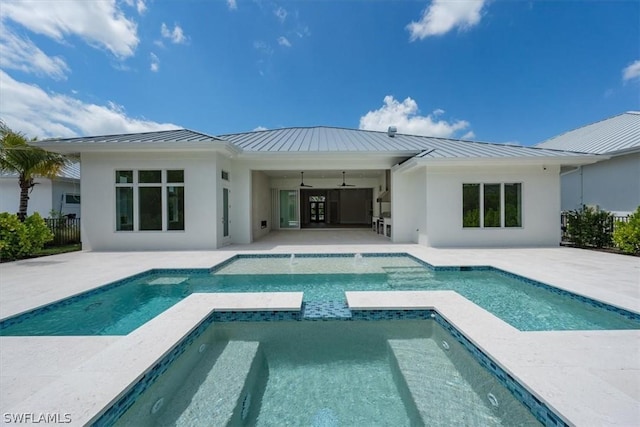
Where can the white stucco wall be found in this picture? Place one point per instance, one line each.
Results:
(441, 202)
(613, 185)
(260, 204)
(202, 198)
(409, 206)
(40, 198)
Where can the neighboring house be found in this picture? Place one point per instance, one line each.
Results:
(182, 189)
(61, 194)
(612, 184)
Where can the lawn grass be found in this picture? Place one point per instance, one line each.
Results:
(55, 250)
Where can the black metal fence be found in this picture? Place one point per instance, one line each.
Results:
(564, 219)
(66, 231)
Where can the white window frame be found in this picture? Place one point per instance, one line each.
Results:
(136, 184)
(502, 206)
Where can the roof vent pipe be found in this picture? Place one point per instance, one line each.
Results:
(392, 131)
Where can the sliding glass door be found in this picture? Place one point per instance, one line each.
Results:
(289, 209)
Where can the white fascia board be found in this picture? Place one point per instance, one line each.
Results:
(479, 161)
(499, 161)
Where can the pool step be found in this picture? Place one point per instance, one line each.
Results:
(436, 389)
(402, 276)
(224, 398)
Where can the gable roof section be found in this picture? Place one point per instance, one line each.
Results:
(340, 140)
(167, 139)
(612, 135)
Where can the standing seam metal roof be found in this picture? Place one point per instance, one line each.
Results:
(327, 139)
(177, 135)
(621, 132)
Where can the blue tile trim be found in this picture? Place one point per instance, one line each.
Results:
(255, 316)
(325, 310)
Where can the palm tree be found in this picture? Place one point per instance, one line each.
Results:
(17, 156)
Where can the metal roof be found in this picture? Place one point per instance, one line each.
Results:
(611, 135)
(329, 139)
(71, 171)
(177, 135)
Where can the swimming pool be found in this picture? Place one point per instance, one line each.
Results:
(121, 307)
(400, 373)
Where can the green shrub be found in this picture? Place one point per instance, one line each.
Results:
(588, 227)
(37, 231)
(627, 234)
(21, 239)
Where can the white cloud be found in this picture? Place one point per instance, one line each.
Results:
(632, 71)
(263, 47)
(260, 128)
(176, 35)
(18, 53)
(232, 4)
(99, 23)
(404, 115)
(281, 14)
(155, 63)
(444, 15)
(283, 41)
(29, 109)
(469, 135)
(141, 7)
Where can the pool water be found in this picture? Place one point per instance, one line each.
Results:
(383, 373)
(121, 309)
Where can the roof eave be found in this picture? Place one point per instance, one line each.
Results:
(502, 161)
(96, 147)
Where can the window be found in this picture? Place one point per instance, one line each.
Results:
(225, 175)
(71, 199)
(159, 196)
(491, 205)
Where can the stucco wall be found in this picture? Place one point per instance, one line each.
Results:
(260, 204)
(98, 201)
(409, 207)
(613, 184)
(39, 198)
(428, 206)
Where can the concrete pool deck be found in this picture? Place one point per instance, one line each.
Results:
(590, 377)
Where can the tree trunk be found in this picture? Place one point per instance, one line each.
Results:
(25, 186)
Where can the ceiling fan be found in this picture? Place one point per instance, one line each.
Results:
(344, 184)
(302, 184)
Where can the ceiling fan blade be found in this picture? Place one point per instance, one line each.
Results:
(345, 184)
(302, 184)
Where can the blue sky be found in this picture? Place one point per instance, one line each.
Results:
(497, 71)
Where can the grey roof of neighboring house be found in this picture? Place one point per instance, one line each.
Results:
(329, 139)
(71, 171)
(177, 135)
(618, 133)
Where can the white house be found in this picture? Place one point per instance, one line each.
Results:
(61, 194)
(182, 189)
(612, 184)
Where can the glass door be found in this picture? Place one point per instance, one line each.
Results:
(289, 209)
(316, 210)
